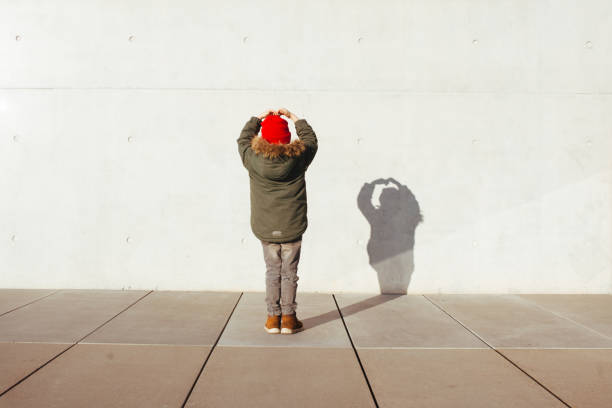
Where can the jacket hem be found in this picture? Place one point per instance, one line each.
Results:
(282, 240)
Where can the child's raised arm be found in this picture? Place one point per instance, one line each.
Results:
(305, 133)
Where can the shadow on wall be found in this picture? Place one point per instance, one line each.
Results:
(393, 225)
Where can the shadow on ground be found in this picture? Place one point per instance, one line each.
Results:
(347, 310)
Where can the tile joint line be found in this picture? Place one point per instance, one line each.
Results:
(73, 344)
(29, 303)
(355, 350)
(498, 352)
(532, 302)
(210, 352)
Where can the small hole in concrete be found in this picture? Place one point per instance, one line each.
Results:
(475, 41)
(588, 44)
(360, 40)
(128, 239)
(244, 39)
(131, 38)
(129, 139)
(17, 37)
(15, 138)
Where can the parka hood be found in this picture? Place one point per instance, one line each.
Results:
(272, 150)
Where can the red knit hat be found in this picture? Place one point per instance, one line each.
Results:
(274, 129)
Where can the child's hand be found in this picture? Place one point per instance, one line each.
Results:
(292, 116)
(268, 112)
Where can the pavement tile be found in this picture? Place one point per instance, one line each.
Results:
(401, 321)
(413, 353)
(511, 321)
(112, 375)
(593, 311)
(12, 298)
(582, 378)
(170, 317)
(280, 376)
(437, 378)
(318, 312)
(65, 316)
(17, 360)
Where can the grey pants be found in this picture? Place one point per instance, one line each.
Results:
(281, 275)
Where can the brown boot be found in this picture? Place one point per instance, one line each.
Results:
(290, 324)
(273, 324)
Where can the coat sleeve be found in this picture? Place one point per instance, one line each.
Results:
(250, 129)
(308, 136)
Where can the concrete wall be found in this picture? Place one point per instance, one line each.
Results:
(119, 119)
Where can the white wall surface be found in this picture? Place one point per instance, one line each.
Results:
(119, 166)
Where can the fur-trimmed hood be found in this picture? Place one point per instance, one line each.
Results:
(272, 150)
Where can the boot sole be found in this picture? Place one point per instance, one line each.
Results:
(273, 330)
(285, 330)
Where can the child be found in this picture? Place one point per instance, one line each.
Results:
(278, 205)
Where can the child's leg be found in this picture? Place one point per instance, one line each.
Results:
(272, 257)
(290, 255)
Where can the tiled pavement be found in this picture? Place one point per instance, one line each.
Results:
(113, 348)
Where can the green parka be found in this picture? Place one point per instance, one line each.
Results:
(278, 187)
